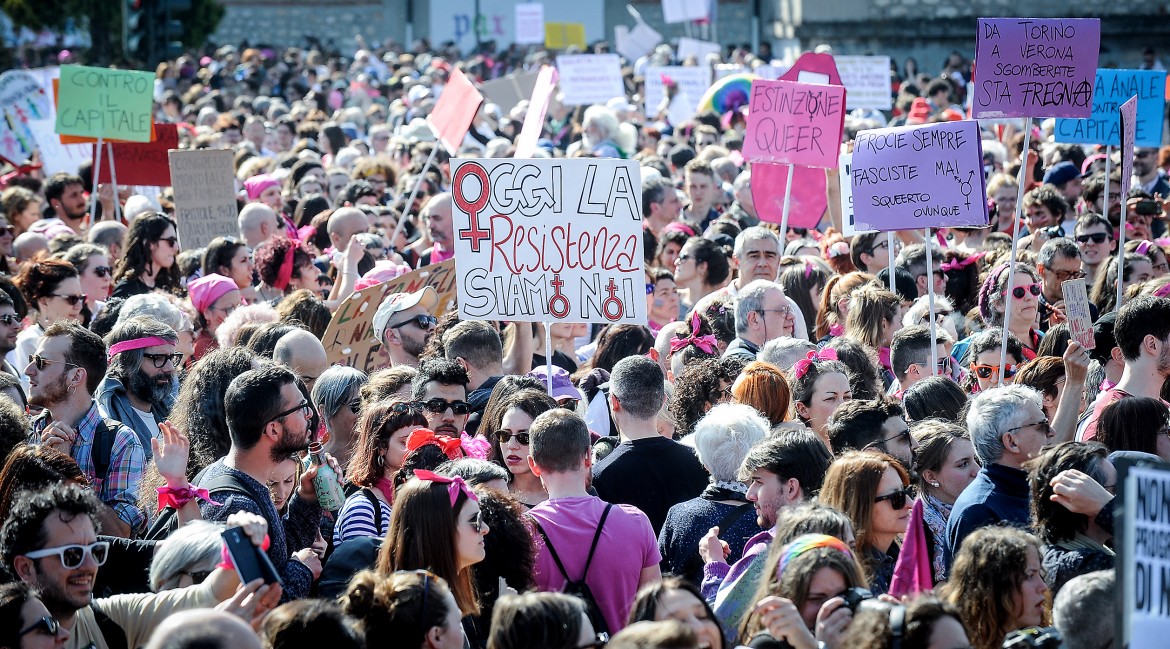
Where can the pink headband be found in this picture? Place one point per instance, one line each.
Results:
(801, 367)
(454, 485)
(1143, 247)
(958, 264)
(284, 276)
(137, 343)
(257, 184)
(706, 343)
(679, 227)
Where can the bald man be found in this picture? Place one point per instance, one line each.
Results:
(202, 629)
(437, 214)
(28, 245)
(301, 352)
(344, 223)
(108, 235)
(258, 223)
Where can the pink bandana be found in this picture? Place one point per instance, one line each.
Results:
(136, 343)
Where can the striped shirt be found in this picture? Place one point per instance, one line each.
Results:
(356, 519)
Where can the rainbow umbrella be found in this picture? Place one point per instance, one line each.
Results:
(728, 94)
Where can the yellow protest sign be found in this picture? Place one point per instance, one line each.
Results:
(558, 36)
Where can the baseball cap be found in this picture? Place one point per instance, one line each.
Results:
(562, 387)
(1061, 173)
(396, 302)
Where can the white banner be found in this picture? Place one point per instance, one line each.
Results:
(529, 23)
(866, 80)
(692, 85)
(697, 48)
(590, 78)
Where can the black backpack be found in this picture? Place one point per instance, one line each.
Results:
(579, 588)
(104, 436)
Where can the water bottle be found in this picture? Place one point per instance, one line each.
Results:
(326, 483)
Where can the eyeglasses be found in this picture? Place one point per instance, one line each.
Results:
(41, 362)
(992, 371)
(174, 241)
(898, 498)
(568, 402)
(9, 319)
(1041, 426)
(160, 360)
(502, 436)
(782, 310)
(477, 522)
(905, 433)
(1096, 237)
(1066, 275)
(1020, 291)
(304, 406)
(102, 271)
(440, 406)
(422, 321)
(73, 300)
(72, 556)
(47, 625)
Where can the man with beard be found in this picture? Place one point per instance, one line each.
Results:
(50, 542)
(437, 213)
(64, 373)
(441, 387)
(140, 384)
(65, 193)
(269, 416)
(9, 329)
(404, 322)
(1142, 331)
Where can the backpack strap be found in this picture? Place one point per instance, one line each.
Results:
(377, 508)
(112, 632)
(103, 446)
(733, 516)
(596, 538)
(592, 548)
(551, 550)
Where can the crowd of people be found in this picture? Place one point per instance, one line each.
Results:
(743, 470)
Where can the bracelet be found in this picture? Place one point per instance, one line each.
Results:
(176, 497)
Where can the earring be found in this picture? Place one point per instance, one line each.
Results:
(934, 484)
(380, 461)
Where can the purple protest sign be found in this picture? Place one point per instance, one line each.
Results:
(795, 123)
(1035, 67)
(912, 177)
(1128, 116)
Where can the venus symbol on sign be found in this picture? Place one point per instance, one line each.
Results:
(474, 233)
(558, 304)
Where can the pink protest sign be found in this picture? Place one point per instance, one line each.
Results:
(912, 177)
(1128, 116)
(454, 111)
(795, 123)
(537, 107)
(1035, 67)
(809, 195)
(812, 65)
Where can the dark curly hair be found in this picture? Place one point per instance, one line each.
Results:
(39, 278)
(1052, 521)
(698, 389)
(23, 531)
(270, 255)
(692, 353)
(720, 312)
(427, 457)
(870, 628)
(302, 306)
(861, 362)
(509, 551)
(137, 259)
(199, 408)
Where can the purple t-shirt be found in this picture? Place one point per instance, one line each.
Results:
(627, 545)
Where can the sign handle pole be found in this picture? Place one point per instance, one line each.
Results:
(548, 355)
(787, 205)
(1105, 195)
(930, 292)
(1017, 216)
(414, 192)
(114, 181)
(890, 250)
(97, 168)
(1120, 255)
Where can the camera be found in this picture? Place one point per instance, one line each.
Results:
(855, 596)
(1053, 232)
(1044, 637)
(1147, 207)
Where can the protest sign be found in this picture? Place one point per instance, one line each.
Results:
(1128, 118)
(348, 338)
(795, 123)
(145, 163)
(507, 91)
(22, 99)
(549, 240)
(812, 67)
(1076, 311)
(590, 78)
(454, 111)
(205, 195)
(105, 103)
(534, 117)
(1143, 553)
(558, 36)
(688, 47)
(1112, 88)
(913, 177)
(1035, 67)
(845, 174)
(637, 42)
(692, 84)
(529, 23)
(681, 11)
(56, 156)
(867, 81)
(809, 194)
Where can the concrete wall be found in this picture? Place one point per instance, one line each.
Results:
(285, 22)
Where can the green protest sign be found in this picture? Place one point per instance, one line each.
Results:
(105, 103)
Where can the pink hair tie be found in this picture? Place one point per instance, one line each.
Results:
(706, 343)
(284, 276)
(136, 343)
(959, 264)
(1143, 247)
(808, 267)
(454, 485)
(802, 366)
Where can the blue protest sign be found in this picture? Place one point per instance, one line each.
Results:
(1114, 87)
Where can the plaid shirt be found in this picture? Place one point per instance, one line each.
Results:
(119, 487)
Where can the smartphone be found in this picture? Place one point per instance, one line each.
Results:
(251, 562)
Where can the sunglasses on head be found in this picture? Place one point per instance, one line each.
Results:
(1096, 237)
(72, 556)
(502, 436)
(568, 402)
(898, 498)
(403, 407)
(990, 371)
(440, 406)
(1020, 291)
(73, 300)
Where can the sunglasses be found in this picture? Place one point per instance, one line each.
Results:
(160, 360)
(1096, 237)
(1041, 426)
(9, 319)
(1066, 275)
(440, 406)
(41, 362)
(477, 522)
(72, 556)
(1020, 291)
(992, 371)
(568, 402)
(73, 300)
(7, 229)
(898, 498)
(102, 271)
(47, 625)
(502, 436)
(422, 321)
(174, 241)
(403, 407)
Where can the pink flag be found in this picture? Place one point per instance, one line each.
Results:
(454, 111)
(537, 107)
(912, 571)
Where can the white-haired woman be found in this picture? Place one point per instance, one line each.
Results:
(722, 439)
(187, 556)
(336, 393)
